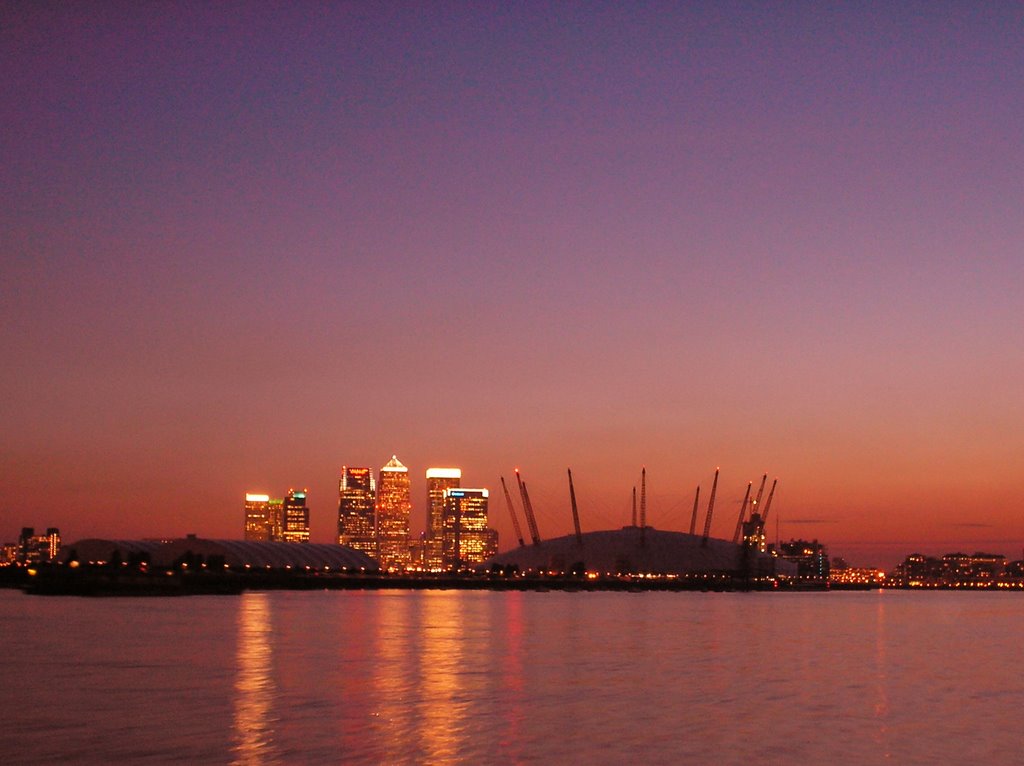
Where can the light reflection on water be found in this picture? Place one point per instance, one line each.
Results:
(254, 682)
(441, 662)
(882, 683)
(471, 677)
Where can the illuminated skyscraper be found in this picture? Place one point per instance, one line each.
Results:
(257, 517)
(466, 539)
(393, 509)
(356, 512)
(275, 516)
(264, 518)
(296, 517)
(438, 480)
(35, 549)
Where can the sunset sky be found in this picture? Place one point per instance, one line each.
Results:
(244, 244)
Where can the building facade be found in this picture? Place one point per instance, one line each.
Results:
(393, 509)
(257, 517)
(810, 557)
(438, 481)
(357, 494)
(38, 549)
(296, 517)
(264, 518)
(466, 539)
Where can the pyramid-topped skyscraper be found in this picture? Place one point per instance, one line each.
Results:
(393, 509)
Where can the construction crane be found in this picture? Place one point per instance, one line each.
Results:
(512, 513)
(575, 511)
(693, 519)
(634, 506)
(531, 522)
(743, 512)
(643, 505)
(711, 510)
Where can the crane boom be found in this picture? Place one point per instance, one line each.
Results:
(512, 513)
(643, 498)
(531, 521)
(534, 532)
(743, 512)
(768, 503)
(711, 510)
(575, 511)
(643, 505)
(693, 519)
(760, 491)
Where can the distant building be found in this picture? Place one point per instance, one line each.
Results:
(810, 557)
(417, 552)
(9, 553)
(38, 549)
(264, 518)
(842, 574)
(973, 567)
(357, 527)
(236, 554)
(466, 539)
(951, 570)
(296, 517)
(438, 480)
(257, 517)
(393, 509)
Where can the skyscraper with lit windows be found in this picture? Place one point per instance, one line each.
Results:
(357, 526)
(296, 517)
(257, 517)
(393, 508)
(36, 549)
(438, 480)
(466, 539)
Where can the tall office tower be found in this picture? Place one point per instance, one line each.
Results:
(37, 549)
(257, 517)
(466, 540)
(296, 517)
(393, 509)
(275, 523)
(438, 480)
(52, 542)
(357, 493)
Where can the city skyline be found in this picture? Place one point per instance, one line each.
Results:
(246, 246)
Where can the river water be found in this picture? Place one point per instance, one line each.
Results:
(437, 677)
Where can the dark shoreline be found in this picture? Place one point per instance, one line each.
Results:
(61, 581)
(97, 582)
(100, 581)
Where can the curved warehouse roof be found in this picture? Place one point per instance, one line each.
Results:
(236, 553)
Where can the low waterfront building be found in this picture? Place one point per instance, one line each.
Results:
(810, 557)
(238, 554)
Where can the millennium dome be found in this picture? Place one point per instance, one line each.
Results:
(635, 550)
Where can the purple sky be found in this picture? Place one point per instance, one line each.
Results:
(246, 244)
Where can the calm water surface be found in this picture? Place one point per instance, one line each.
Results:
(476, 677)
